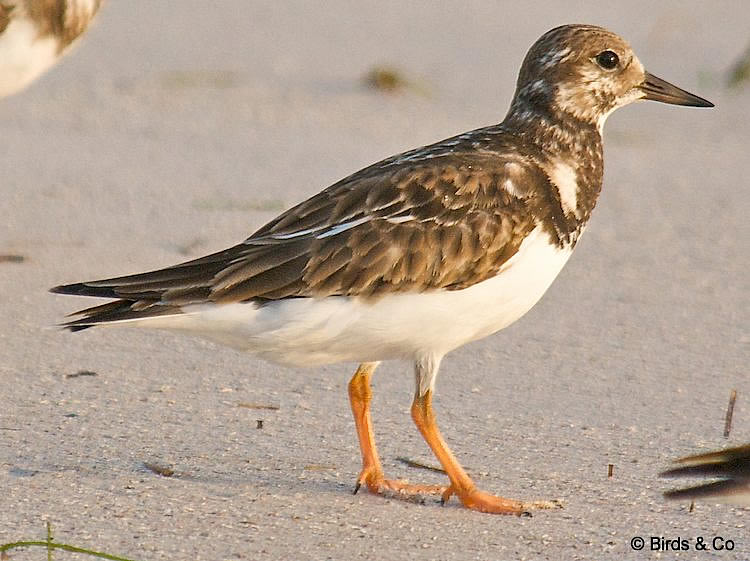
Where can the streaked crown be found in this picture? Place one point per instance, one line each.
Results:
(581, 71)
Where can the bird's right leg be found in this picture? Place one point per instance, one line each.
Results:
(360, 395)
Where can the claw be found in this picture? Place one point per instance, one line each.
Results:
(446, 496)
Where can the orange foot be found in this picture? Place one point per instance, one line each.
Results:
(484, 502)
(377, 484)
(475, 499)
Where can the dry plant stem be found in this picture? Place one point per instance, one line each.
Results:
(730, 413)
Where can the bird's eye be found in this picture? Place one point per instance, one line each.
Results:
(607, 60)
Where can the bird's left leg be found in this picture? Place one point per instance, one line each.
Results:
(461, 484)
(360, 395)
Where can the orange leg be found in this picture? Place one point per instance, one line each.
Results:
(371, 475)
(461, 483)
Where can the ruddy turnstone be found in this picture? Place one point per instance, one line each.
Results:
(415, 255)
(731, 468)
(34, 34)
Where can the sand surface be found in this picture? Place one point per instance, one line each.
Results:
(177, 128)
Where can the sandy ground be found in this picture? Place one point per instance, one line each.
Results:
(177, 128)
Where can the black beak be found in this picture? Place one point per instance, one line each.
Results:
(657, 89)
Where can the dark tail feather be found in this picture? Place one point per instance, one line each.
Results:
(731, 466)
(730, 462)
(83, 289)
(714, 469)
(112, 312)
(723, 489)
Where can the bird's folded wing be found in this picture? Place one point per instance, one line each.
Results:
(410, 227)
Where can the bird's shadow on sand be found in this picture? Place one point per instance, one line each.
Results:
(294, 479)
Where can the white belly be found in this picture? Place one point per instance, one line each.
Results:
(307, 331)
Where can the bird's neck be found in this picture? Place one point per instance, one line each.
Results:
(569, 151)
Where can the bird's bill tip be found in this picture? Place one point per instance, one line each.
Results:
(657, 89)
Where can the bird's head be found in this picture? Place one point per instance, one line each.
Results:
(587, 72)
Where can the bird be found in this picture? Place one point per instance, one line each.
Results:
(415, 255)
(731, 468)
(34, 34)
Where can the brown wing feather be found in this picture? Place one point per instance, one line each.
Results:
(424, 227)
(395, 226)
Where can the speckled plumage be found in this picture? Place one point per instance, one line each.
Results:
(35, 33)
(417, 254)
(63, 19)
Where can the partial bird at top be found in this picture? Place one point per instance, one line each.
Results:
(34, 34)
